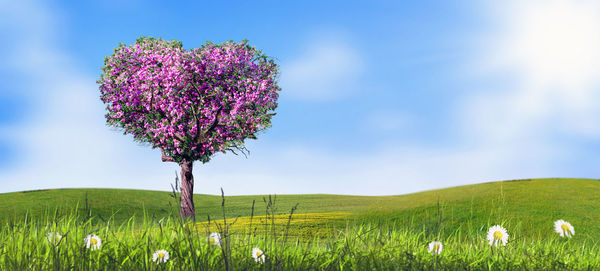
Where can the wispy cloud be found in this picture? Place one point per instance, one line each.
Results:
(65, 143)
(541, 68)
(506, 131)
(326, 69)
(302, 168)
(548, 49)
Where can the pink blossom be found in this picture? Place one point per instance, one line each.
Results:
(162, 93)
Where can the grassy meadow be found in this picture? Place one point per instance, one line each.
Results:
(307, 232)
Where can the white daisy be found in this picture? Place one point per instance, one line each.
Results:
(435, 247)
(92, 241)
(214, 238)
(564, 228)
(258, 255)
(497, 234)
(54, 238)
(160, 256)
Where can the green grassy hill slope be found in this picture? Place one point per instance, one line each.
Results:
(526, 207)
(125, 203)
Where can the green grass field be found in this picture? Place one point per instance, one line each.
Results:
(326, 232)
(533, 204)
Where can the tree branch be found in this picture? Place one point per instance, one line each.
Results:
(202, 135)
(195, 114)
(166, 158)
(196, 87)
(241, 148)
(152, 101)
(180, 138)
(215, 122)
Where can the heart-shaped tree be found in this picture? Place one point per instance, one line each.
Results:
(190, 104)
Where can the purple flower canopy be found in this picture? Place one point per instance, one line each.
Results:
(190, 104)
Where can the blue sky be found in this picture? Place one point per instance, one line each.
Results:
(379, 99)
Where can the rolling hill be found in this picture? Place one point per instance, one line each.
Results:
(526, 207)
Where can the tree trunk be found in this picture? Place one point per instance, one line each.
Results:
(187, 190)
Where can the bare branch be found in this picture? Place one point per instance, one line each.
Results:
(231, 150)
(242, 149)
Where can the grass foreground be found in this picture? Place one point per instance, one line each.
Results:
(331, 232)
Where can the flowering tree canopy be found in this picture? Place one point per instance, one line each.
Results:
(190, 104)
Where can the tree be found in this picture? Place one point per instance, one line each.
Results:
(190, 104)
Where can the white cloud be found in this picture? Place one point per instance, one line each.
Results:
(305, 169)
(547, 77)
(543, 70)
(549, 51)
(551, 42)
(66, 142)
(68, 145)
(327, 69)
